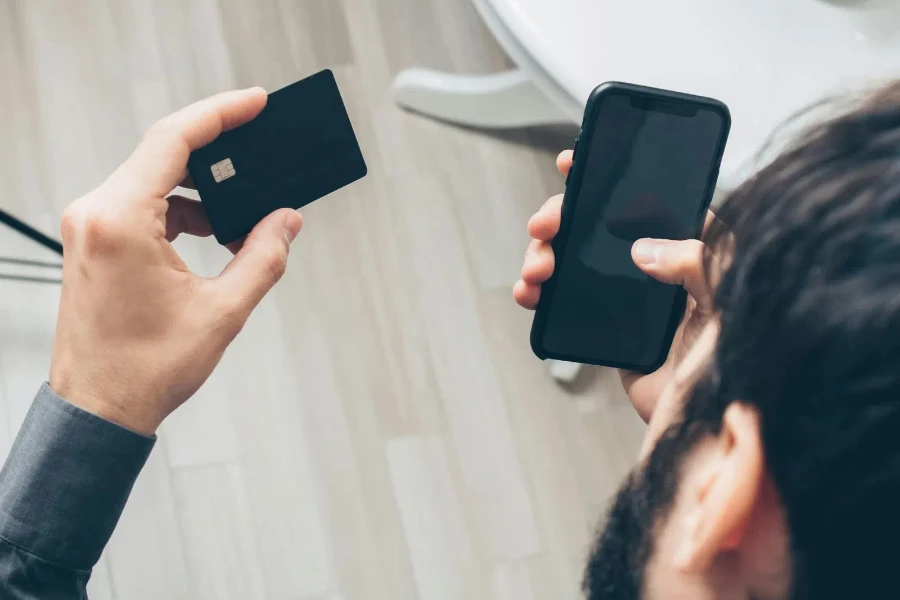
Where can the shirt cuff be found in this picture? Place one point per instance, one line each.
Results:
(66, 481)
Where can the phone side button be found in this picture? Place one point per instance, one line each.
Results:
(574, 154)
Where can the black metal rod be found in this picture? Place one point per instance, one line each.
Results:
(29, 279)
(30, 263)
(30, 232)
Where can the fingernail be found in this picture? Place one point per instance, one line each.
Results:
(647, 252)
(293, 223)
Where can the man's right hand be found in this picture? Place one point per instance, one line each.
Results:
(138, 333)
(675, 262)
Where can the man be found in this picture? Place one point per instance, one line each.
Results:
(771, 467)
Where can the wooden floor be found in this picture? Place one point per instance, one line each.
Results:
(380, 430)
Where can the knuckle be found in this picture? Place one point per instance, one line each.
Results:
(550, 258)
(686, 255)
(101, 233)
(544, 252)
(231, 319)
(276, 263)
(694, 246)
(162, 127)
(665, 257)
(163, 133)
(227, 313)
(69, 222)
(694, 254)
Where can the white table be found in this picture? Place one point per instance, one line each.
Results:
(766, 59)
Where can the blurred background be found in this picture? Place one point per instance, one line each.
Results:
(380, 429)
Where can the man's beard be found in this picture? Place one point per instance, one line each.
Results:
(623, 548)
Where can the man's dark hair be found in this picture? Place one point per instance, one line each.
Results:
(805, 263)
(810, 337)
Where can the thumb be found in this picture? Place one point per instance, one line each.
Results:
(261, 261)
(675, 262)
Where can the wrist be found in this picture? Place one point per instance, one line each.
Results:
(107, 405)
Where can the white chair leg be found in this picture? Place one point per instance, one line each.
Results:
(564, 372)
(502, 100)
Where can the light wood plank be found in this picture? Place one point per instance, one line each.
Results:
(613, 431)
(260, 51)
(21, 153)
(423, 34)
(360, 508)
(143, 58)
(27, 311)
(27, 323)
(560, 462)
(476, 410)
(201, 432)
(436, 529)
(317, 33)
(100, 586)
(365, 297)
(72, 48)
(494, 231)
(27, 327)
(283, 490)
(525, 579)
(196, 58)
(217, 532)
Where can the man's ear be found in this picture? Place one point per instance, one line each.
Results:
(730, 485)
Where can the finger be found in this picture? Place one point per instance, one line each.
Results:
(526, 295)
(260, 263)
(188, 182)
(675, 262)
(186, 216)
(544, 224)
(539, 263)
(644, 390)
(564, 161)
(710, 219)
(159, 163)
(235, 247)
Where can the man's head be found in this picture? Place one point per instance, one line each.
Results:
(780, 475)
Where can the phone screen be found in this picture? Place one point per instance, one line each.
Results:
(646, 174)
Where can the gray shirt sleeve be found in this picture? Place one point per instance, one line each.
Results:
(62, 491)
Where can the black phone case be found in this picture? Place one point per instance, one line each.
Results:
(573, 184)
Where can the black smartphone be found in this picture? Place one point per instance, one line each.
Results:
(645, 165)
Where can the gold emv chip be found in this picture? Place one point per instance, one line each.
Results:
(223, 170)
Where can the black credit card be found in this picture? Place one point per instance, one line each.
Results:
(299, 148)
